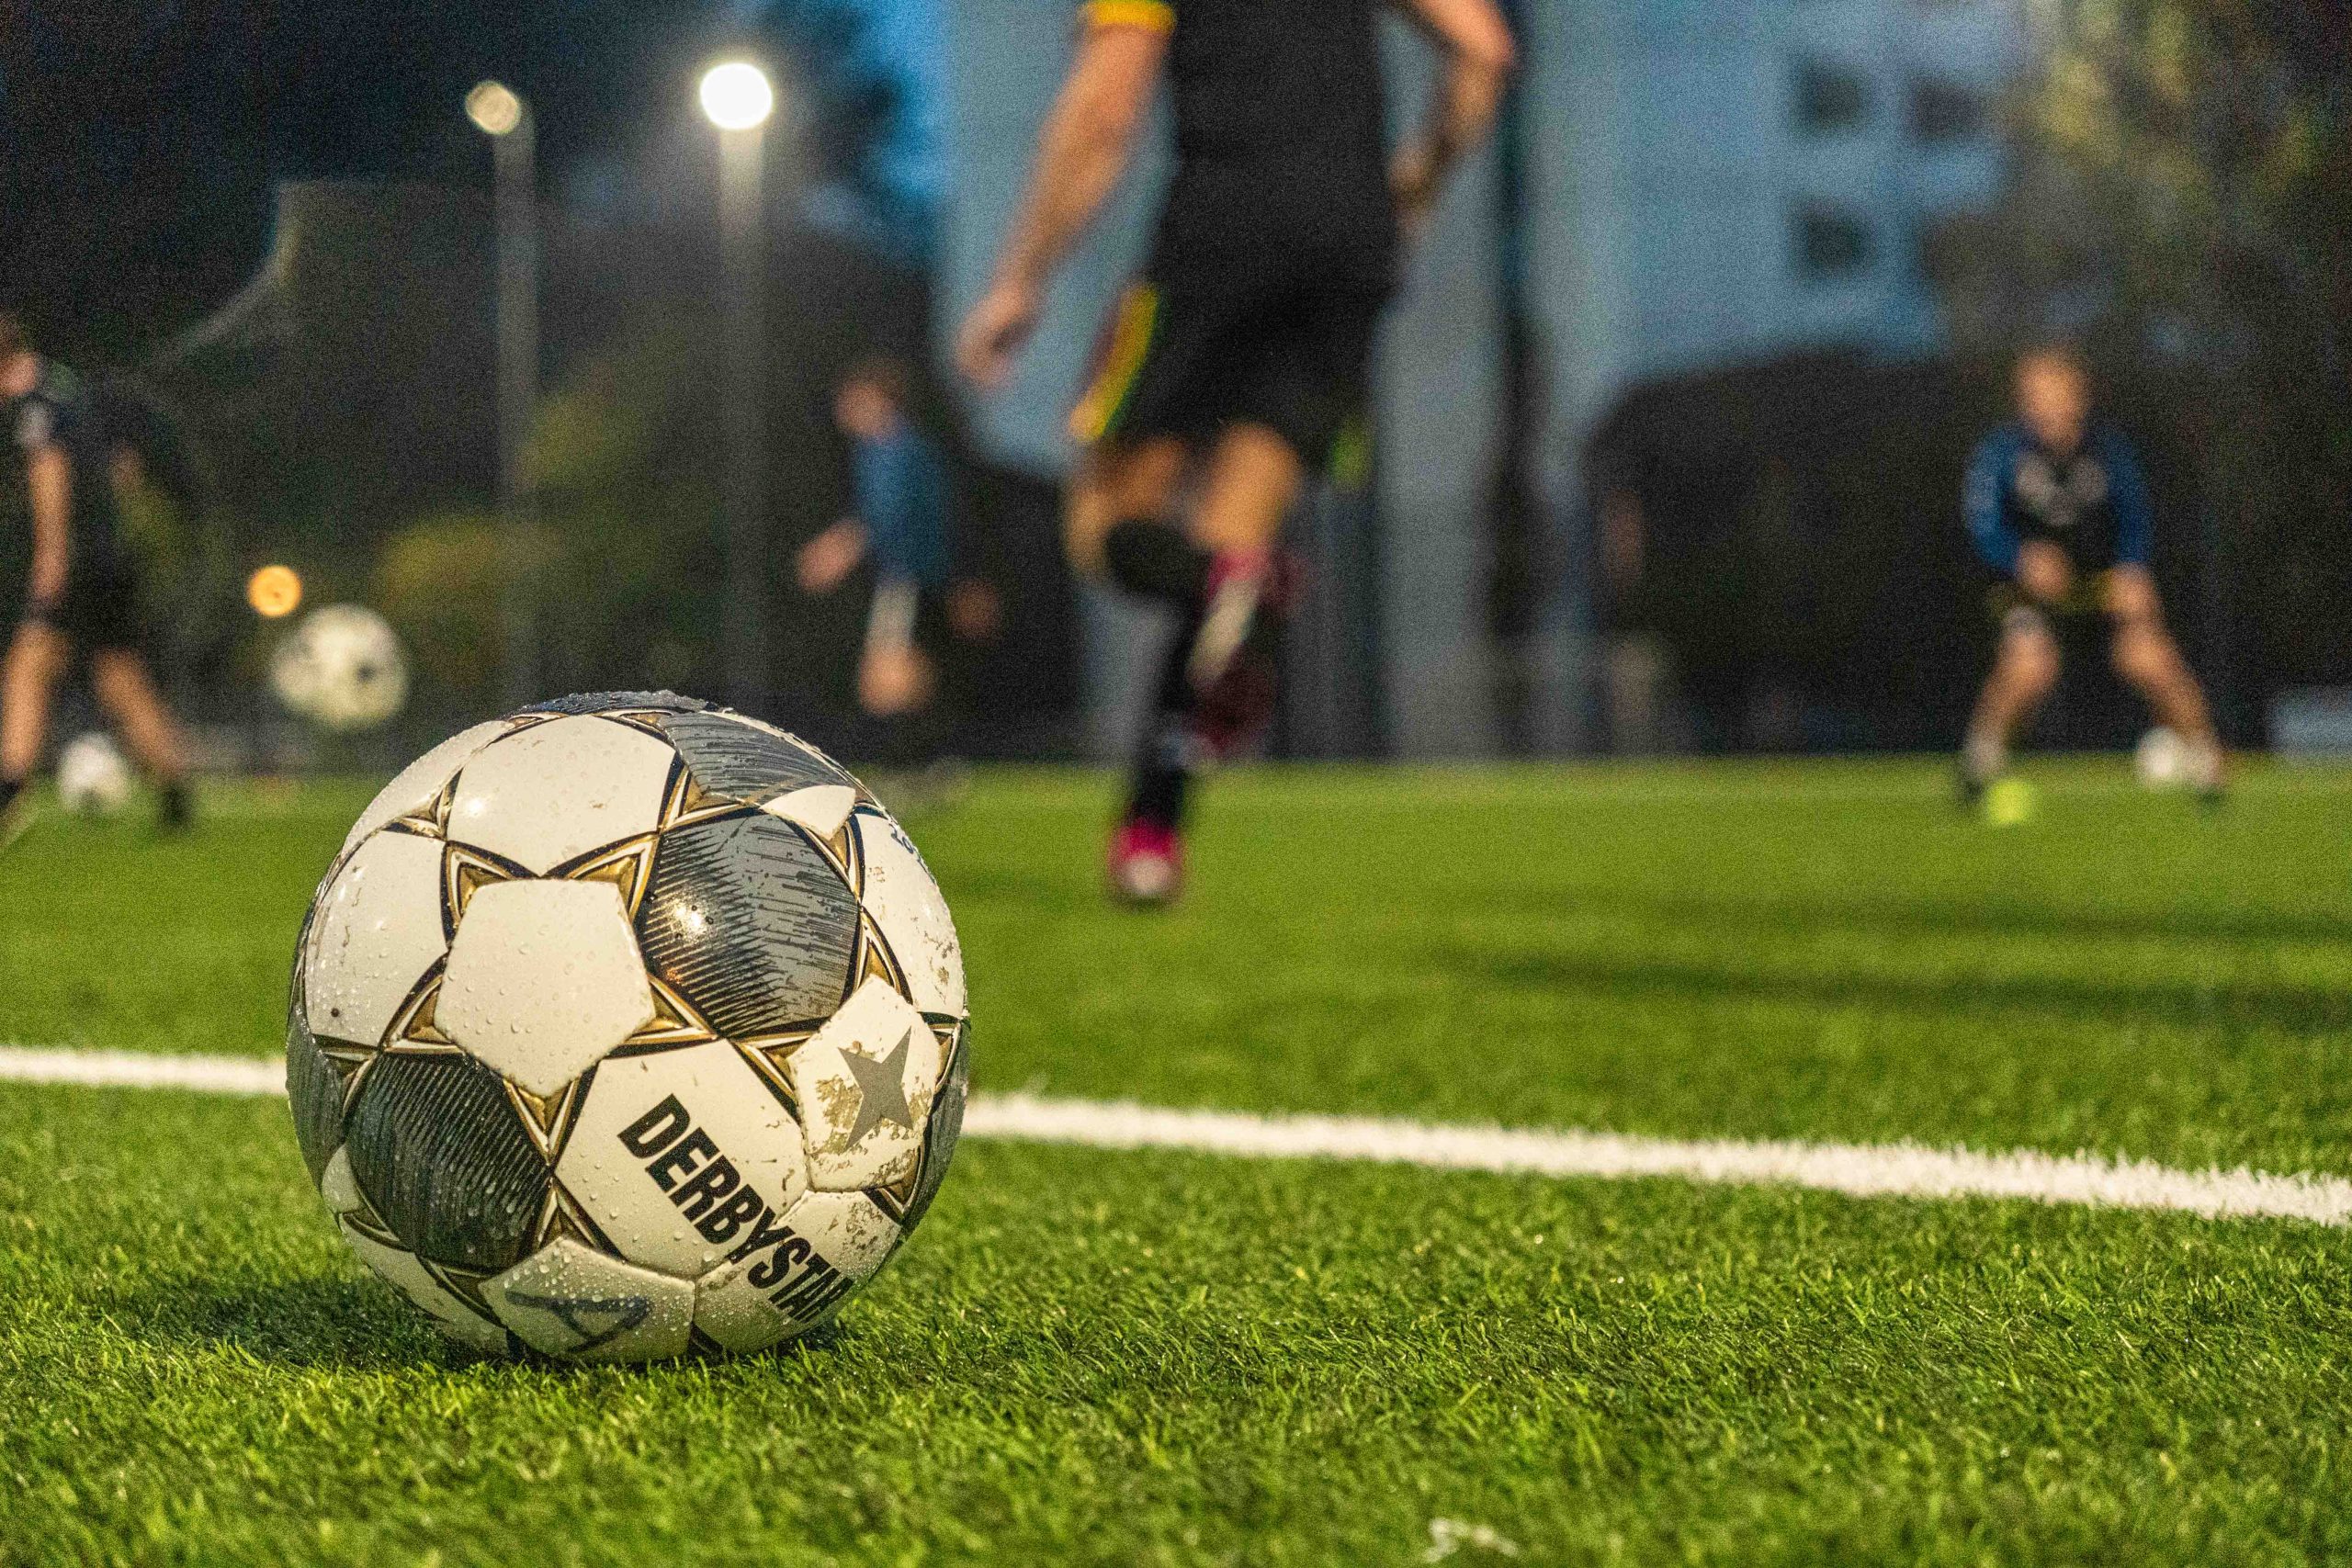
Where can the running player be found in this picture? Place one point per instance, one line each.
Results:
(80, 593)
(2058, 507)
(1232, 365)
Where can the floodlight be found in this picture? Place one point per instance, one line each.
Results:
(736, 95)
(494, 108)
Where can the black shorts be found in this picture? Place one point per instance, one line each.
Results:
(1188, 360)
(2078, 622)
(102, 611)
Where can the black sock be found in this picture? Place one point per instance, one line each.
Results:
(1155, 561)
(1164, 768)
(1163, 778)
(9, 790)
(178, 807)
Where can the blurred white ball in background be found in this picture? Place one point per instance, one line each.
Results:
(94, 779)
(2163, 760)
(343, 669)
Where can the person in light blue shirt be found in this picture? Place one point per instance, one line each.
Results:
(2058, 508)
(899, 520)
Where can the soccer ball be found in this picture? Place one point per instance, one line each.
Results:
(2162, 761)
(343, 669)
(626, 1026)
(93, 779)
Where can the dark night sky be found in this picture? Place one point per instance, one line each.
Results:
(140, 140)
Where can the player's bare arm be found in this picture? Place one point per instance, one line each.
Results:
(1480, 60)
(1088, 138)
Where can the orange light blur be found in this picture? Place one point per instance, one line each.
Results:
(275, 592)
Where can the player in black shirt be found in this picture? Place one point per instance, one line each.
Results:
(1233, 362)
(80, 592)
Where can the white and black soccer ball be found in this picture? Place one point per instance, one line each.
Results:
(624, 1027)
(2162, 761)
(94, 779)
(343, 669)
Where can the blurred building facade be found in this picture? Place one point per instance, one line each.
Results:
(1741, 178)
(1712, 183)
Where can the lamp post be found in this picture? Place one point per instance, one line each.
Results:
(1515, 510)
(500, 114)
(738, 98)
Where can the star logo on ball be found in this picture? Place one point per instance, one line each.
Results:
(881, 1088)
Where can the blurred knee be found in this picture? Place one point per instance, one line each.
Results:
(2029, 662)
(1115, 487)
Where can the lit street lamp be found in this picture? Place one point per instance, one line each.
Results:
(736, 95)
(738, 98)
(500, 114)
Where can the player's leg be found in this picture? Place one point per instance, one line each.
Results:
(907, 739)
(1289, 368)
(1158, 384)
(1250, 480)
(1299, 374)
(894, 678)
(127, 694)
(1122, 528)
(2150, 662)
(1135, 422)
(2024, 671)
(29, 676)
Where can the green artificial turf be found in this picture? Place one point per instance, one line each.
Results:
(1091, 1356)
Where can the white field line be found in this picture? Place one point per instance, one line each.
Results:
(1864, 1171)
(132, 1070)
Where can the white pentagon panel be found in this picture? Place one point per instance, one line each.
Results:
(567, 1300)
(405, 1274)
(376, 931)
(683, 1157)
(906, 903)
(543, 979)
(338, 1189)
(553, 792)
(828, 1243)
(865, 1082)
(820, 808)
(422, 780)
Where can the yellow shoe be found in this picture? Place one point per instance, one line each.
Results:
(2010, 802)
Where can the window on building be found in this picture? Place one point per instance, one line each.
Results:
(1944, 112)
(1830, 97)
(1832, 242)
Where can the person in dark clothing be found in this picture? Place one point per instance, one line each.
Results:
(1231, 367)
(81, 593)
